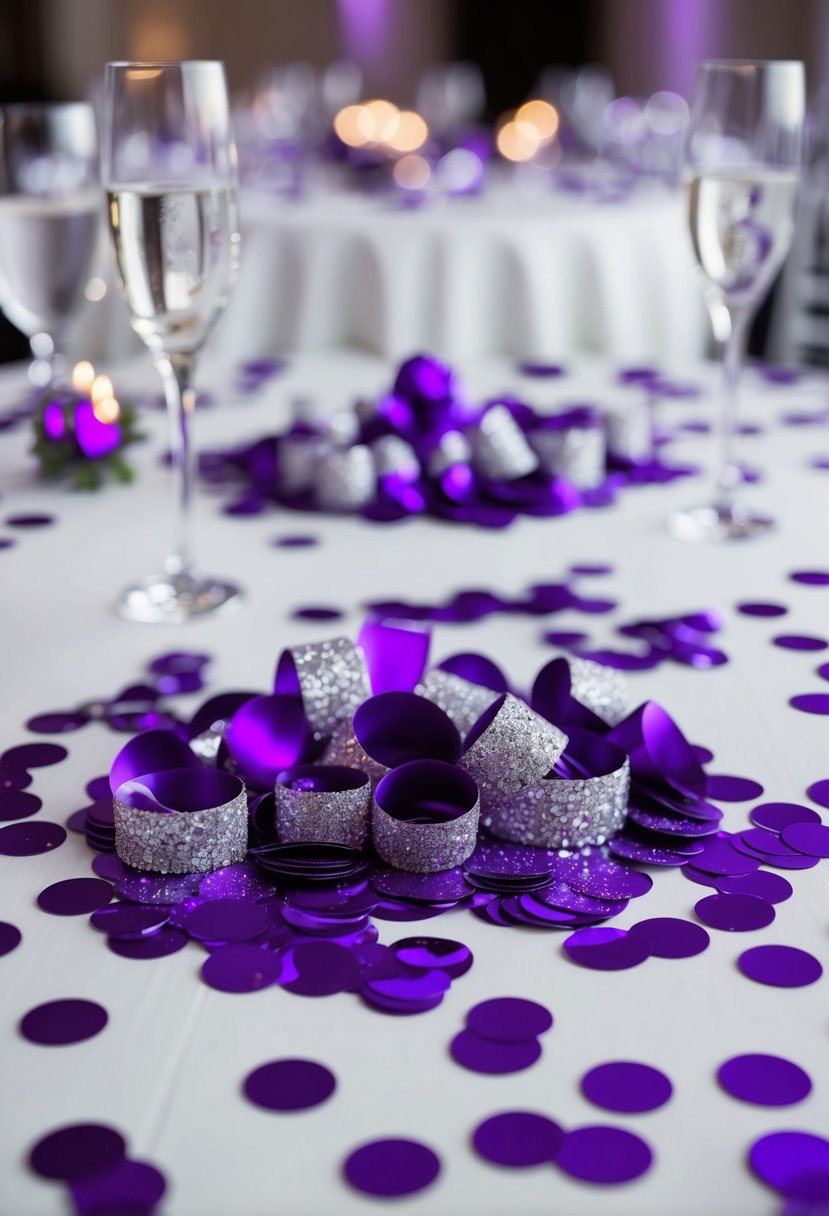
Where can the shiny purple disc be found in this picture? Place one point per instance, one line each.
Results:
(156, 945)
(518, 1138)
(780, 966)
(298, 541)
(811, 578)
(811, 702)
(736, 913)
(128, 1187)
(818, 791)
(795, 1163)
(669, 937)
(627, 1087)
(10, 937)
(74, 1151)
(775, 816)
(98, 788)
(75, 896)
(722, 787)
(719, 856)
(759, 608)
(812, 839)
(764, 1080)
(58, 1023)
(605, 1155)
(17, 804)
(774, 888)
(604, 879)
(323, 968)
(438, 888)
(29, 521)
(485, 1055)
(30, 838)
(509, 1019)
(226, 920)
(130, 922)
(391, 1167)
(768, 844)
(317, 612)
(433, 953)
(798, 641)
(57, 723)
(287, 1085)
(13, 777)
(607, 949)
(34, 755)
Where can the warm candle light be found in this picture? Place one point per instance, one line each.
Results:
(106, 409)
(378, 121)
(412, 172)
(411, 134)
(101, 389)
(347, 126)
(83, 375)
(538, 118)
(517, 142)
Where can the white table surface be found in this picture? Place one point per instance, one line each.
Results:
(168, 1067)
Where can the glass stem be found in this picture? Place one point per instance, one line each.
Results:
(176, 374)
(730, 474)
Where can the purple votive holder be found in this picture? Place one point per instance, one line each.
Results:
(510, 747)
(425, 817)
(323, 802)
(181, 821)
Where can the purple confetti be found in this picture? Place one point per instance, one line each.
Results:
(626, 1087)
(58, 1023)
(774, 888)
(17, 804)
(735, 913)
(818, 791)
(775, 816)
(13, 777)
(34, 755)
(812, 839)
(764, 1080)
(128, 1187)
(317, 612)
(811, 702)
(509, 1019)
(323, 968)
(226, 920)
(811, 578)
(156, 945)
(518, 1139)
(433, 953)
(391, 1167)
(794, 1163)
(799, 641)
(77, 1150)
(29, 521)
(669, 937)
(10, 937)
(58, 722)
(495, 1058)
(28, 839)
(295, 541)
(724, 788)
(607, 949)
(289, 1085)
(606, 1155)
(130, 922)
(755, 608)
(75, 896)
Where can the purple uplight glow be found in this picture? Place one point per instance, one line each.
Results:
(365, 27)
(95, 438)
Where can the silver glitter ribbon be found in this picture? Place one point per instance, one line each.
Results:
(335, 816)
(345, 479)
(518, 747)
(453, 448)
(499, 448)
(628, 430)
(343, 748)
(601, 689)
(298, 458)
(460, 699)
(332, 678)
(424, 848)
(576, 453)
(182, 842)
(559, 813)
(394, 455)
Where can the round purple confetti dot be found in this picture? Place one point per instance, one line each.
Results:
(725, 788)
(812, 839)
(18, 804)
(798, 641)
(10, 937)
(77, 1150)
(322, 969)
(818, 791)
(518, 1138)
(241, 968)
(607, 1155)
(775, 816)
(752, 608)
(29, 521)
(317, 612)
(494, 1058)
(811, 578)
(99, 788)
(130, 922)
(156, 945)
(596, 569)
(226, 920)
(28, 839)
(7, 542)
(58, 1023)
(296, 541)
(509, 1019)
(669, 937)
(130, 1187)
(811, 702)
(391, 1167)
(764, 1080)
(34, 755)
(13, 777)
(57, 723)
(735, 913)
(288, 1085)
(794, 1163)
(774, 888)
(434, 953)
(627, 1087)
(75, 896)
(107, 865)
(607, 949)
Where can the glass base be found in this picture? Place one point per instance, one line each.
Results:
(175, 598)
(716, 523)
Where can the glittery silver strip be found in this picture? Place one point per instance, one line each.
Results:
(345, 479)
(182, 842)
(333, 681)
(600, 688)
(629, 430)
(563, 814)
(575, 453)
(463, 701)
(337, 816)
(297, 459)
(424, 848)
(394, 455)
(343, 748)
(342, 428)
(499, 449)
(453, 448)
(517, 748)
(206, 745)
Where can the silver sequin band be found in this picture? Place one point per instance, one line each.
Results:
(628, 429)
(345, 479)
(511, 747)
(563, 814)
(422, 848)
(576, 453)
(338, 815)
(499, 449)
(182, 842)
(460, 699)
(330, 676)
(599, 688)
(344, 749)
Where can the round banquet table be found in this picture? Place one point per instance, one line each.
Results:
(511, 272)
(168, 1067)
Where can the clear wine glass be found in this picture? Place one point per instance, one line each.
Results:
(168, 163)
(742, 164)
(50, 211)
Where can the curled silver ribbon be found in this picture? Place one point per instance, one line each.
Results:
(330, 676)
(628, 429)
(499, 448)
(338, 814)
(394, 455)
(599, 688)
(576, 453)
(412, 844)
(510, 747)
(182, 842)
(463, 701)
(345, 479)
(298, 457)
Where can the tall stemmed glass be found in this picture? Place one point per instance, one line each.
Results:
(168, 164)
(742, 164)
(50, 211)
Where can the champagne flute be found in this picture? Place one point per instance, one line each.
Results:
(742, 164)
(169, 167)
(50, 210)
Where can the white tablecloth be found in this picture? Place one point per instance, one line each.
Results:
(167, 1069)
(532, 275)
